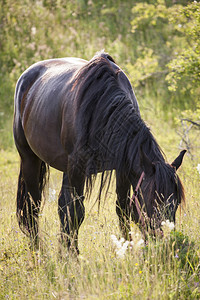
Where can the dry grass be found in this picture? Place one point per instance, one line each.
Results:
(150, 272)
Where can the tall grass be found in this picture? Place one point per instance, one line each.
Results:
(162, 269)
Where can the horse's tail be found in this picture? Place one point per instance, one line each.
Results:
(27, 208)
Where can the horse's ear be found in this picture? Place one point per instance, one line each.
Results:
(178, 161)
(146, 164)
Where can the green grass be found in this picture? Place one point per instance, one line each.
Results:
(166, 269)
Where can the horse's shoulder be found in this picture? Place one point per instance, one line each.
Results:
(56, 63)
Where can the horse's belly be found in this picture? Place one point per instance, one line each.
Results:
(53, 155)
(44, 140)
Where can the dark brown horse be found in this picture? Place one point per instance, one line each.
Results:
(82, 118)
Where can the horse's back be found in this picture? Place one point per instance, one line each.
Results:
(42, 84)
(45, 108)
(39, 96)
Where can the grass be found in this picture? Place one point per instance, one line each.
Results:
(166, 269)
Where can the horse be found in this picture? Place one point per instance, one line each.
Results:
(82, 118)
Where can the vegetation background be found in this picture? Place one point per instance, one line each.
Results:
(157, 44)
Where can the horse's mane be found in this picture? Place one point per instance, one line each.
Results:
(108, 128)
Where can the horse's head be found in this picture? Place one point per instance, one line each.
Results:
(160, 192)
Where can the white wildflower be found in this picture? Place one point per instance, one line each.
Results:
(122, 240)
(52, 195)
(117, 243)
(120, 245)
(126, 244)
(122, 251)
(140, 242)
(198, 168)
(113, 238)
(168, 224)
(33, 30)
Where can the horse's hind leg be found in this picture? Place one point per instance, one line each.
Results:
(71, 209)
(30, 184)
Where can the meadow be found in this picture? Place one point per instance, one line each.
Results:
(157, 44)
(162, 269)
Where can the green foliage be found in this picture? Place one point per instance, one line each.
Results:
(171, 35)
(146, 65)
(191, 114)
(184, 251)
(174, 250)
(185, 68)
(37, 30)
(151, 40)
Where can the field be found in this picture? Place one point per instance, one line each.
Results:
(157, 44)
(165, 269)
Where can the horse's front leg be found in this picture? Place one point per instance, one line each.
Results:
(122, 205)
(71, 209)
